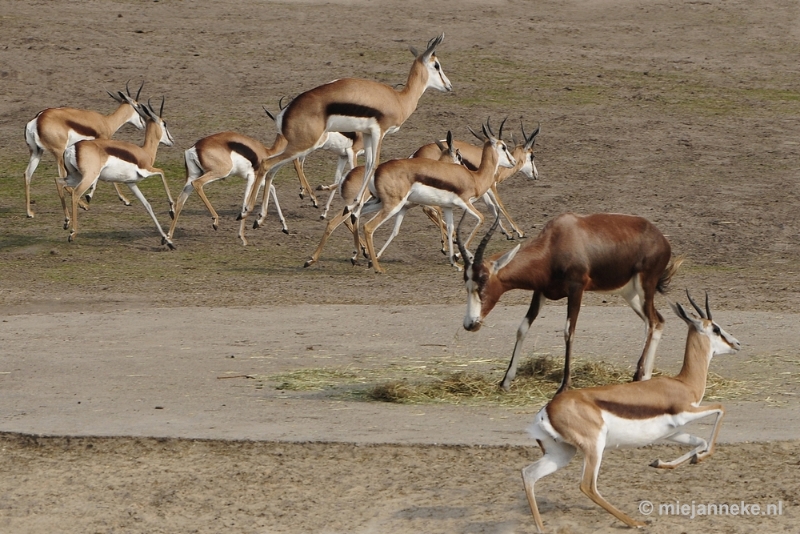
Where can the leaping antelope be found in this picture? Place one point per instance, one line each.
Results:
(116, 162)
(346, 145)
(403, 182)
(349, 105)
(603, 252)
(54, 129)
(218, 156)
(352, 182)
(471, 158)
(631, 415)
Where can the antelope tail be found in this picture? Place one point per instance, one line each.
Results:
(669, 272)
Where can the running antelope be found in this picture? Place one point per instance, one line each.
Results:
(116, 162)
(403, 182)
(350, 185)
(471, 159)
(346, 145)
(219, 156)
(349, 105)
(55, 129)
(603, 252)
(631, 415)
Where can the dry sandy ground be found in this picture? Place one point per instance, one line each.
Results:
(684, 112)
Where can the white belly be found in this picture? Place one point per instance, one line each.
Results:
(430, 196)
(639, 432)
(240, 166)
(117, 170)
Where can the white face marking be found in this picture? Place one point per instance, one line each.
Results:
(436, 77)
(136, 119)
(166, 137)
(505, 159)
(473, 315)
(721, 341)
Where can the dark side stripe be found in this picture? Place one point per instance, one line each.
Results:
(629, 411)
(352, 110)
(124, 155)
(82, 129)
(245, 151)
(432, 181)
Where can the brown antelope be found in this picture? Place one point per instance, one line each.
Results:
(346, 145)
(471, 159)
(115, 161)
(603, 252)
(403, 182)
(54, 129)
(631, 415)
(349, 105)
(350, 186)
(218, 156)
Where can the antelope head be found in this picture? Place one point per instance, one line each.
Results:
(504, 156)
(149, 113)
(529, 167)
(721, 341)
(135, 118)
(436, 77)
(480, 278)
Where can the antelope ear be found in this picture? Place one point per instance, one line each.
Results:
(413, 51)
(505, 259)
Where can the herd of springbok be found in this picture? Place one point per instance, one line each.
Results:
(612, 253)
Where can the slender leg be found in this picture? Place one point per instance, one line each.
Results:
(491, 203)
(533, 310)
(36, 157)
(398, 221)
(556, 456)
(591, 468)
(702, 449)
(383, 215)
(164, 239)
(304, 185)
(573, 308)
(496, 198)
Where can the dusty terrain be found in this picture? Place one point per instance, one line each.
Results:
(684, 112)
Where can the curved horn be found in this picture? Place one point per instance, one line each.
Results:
(432, 44)
(529, 141)
(280, 103)
(139, 91)
(482, 139)
(708, 310)
(488, 128)
(128, 89)
(479, 253)
(697, 308)
(500, 133)
(465, 255)
(440, 145)
(161, 110)
(270, 115)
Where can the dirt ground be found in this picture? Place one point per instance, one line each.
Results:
(683, 112)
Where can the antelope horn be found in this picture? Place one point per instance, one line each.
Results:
(500, 133)
(432, 44)
(161, 109)
(697, 308)
(139, 91)
(479, 253)
(270, 115)
(482, 139)
(529, 141)
(708, 310)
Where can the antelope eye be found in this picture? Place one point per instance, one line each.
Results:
(717, 330)
(436, 66)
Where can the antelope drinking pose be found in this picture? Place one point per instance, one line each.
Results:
(54, 129)
(349, 105)
(471, 159)
(603, 252)
(403, 182)
(116, 162)
(631, 415)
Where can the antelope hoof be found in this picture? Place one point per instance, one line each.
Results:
(170, 245)
(353, 218)
(71, 237)
(322, 217)
(172, 214)
(30, 215)
(255, 225)
(309, 263)
(285, 231)
(302, 196)
(66, 224)
(239, 217)
(215, 225)
(88, 198)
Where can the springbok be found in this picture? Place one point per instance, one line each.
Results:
(349, 105)
(471, 158)
(218, 156)
(603, 252)
(116, 162)
(631, 415)
(346, 145)
(350, 186)
(403, 182)
(54, 129)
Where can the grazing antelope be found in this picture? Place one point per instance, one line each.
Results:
(603, 252)
(54, 129)
(471, 158)
(403, 182)
(349, 105)
(631, 415)
(350, 186)
(219, 156)
(115, 161)
(346, 145)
